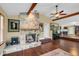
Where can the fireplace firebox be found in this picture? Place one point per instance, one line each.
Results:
(30, 38)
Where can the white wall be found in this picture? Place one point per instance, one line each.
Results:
(71, 30)
(46, 30)
(70, 22)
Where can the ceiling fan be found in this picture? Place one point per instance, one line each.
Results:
(57, 13)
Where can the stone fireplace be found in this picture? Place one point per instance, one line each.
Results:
(28, 37)
(26, 40)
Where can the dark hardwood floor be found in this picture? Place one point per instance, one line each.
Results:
(69, 46)
(71, 38)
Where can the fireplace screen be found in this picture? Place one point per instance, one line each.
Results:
(30, 38)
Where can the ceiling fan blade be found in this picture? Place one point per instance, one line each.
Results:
(63, 14)
(53, 14)
(61, 11)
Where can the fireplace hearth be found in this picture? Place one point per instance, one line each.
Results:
(26, 40)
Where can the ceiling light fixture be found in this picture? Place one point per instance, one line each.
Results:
(58, 13)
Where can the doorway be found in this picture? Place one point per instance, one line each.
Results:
(55, 31)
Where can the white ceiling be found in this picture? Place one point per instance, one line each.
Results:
(48, 8)
(15, 8)
(68, 21)
(44, 8)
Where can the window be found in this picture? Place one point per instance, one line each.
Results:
(1, 29)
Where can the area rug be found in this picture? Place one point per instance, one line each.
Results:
(57, 52)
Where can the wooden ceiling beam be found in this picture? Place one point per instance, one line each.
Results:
(31, 8)
(70, 15)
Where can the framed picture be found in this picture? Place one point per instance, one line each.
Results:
(13, 25)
